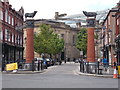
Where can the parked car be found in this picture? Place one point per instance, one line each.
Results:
(76, 61)
(48, 61)
(20, 63)
(43, 61)
(52, 62)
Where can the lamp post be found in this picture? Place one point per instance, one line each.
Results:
(97, 43)
(103, 37)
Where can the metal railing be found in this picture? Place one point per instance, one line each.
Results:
(96, 68)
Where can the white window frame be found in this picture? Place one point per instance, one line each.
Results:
(12, 37)
(12, 21)
(6, 16)
(1, 15)
(1, 35)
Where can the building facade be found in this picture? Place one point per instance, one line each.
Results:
(117, 38)
(64, 31)
(11, 32)
(110, 31)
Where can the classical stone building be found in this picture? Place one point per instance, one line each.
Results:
(66, 32)
(11, 33)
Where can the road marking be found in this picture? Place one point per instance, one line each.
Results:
(75, 73)
(49, 68)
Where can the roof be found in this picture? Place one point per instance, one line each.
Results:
(112, 10)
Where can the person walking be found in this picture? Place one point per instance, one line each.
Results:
(105, 63)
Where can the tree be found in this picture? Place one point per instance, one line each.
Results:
(82, 40)
(46, 41)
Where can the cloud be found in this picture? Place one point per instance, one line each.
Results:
(47, 8)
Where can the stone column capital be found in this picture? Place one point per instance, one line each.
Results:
(29, 23)
(90, 22)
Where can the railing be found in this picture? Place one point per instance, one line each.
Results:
(97, 68)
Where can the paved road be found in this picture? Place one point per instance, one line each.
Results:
(62, 76)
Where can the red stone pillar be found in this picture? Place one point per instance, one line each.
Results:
(91, 21)
(29, 45)
(90, 45)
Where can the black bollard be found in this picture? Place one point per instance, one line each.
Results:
(88, 67)
(33, 66)
(80, 66)
(98, 66)
(41, 65)
(83, 66)
(95, 68)
(38, 65)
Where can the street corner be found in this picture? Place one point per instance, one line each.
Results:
(77, 72)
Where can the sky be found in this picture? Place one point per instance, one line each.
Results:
(47, 8)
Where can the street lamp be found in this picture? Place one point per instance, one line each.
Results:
(97, 43)
(117, 41)
(103, 41)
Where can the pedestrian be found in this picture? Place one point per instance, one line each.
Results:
(105, 63)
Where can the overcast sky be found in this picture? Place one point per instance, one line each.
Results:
(47, 8)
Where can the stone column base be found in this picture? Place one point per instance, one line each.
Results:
(28, 67)
(92, 67)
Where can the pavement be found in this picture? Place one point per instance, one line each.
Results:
(20, 71)
(77, 71)
(96, 75)
(108, 75)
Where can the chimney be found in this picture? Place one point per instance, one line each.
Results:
(56, 15)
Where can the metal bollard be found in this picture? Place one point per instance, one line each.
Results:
(80, 67)
(88, 67)
(33, 66)
(38, 66)
(41, 65)
(98, 66)
(83, 67)
(95, 68)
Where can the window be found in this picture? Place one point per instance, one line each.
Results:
(1, 35)
(1, 15)
(9, 20)
(12, 37)
(62, 35)
(17, 39)
(12, 21)
(20, 40)
(73, 39)
(7, 35)
(6, 15)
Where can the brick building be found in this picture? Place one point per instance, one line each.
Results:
(117, 39)
(110, 31)
(11, 32)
